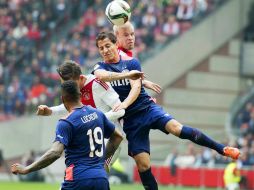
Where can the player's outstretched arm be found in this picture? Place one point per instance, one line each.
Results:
(152, 86)
(44, 110)
(45, 160)
(114, 115)
(109, 76)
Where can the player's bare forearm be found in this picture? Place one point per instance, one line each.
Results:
(113, 143)
(109, 76)
(152, 86)
(48, 158)
(134, 92)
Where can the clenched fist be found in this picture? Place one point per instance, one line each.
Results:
(43, 110)
(18, 169)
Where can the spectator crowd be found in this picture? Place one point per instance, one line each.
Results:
(29, 55)
(245, 125)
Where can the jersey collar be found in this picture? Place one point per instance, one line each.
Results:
(128, 52)
(78, 107)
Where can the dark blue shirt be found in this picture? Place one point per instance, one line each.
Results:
(123, 87)
(82, 132)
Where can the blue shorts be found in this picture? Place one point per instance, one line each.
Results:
(86, 184)
(137, 128)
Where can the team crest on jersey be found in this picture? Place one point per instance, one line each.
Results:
(86, 95)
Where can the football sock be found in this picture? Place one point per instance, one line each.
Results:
(200, 138)
(148, 180)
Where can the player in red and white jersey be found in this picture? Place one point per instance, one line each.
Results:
(125, 35)
(97, 94)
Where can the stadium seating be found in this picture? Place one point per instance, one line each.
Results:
(211, 81)
(203, 95)
(226, 64)
(87, 17)
(177, 97)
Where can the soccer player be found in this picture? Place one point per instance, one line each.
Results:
(125, 35)
(94, 92)
(81, 136)
(141, 113)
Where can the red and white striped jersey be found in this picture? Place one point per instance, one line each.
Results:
(98, 94)
(124, 52)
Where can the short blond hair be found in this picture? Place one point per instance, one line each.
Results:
(126, 25)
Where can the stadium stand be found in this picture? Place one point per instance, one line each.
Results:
(29, 27)
(24, 27)
(242, 112)
(205, 104)
(225, 62)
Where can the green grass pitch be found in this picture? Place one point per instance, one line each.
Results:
(43, 186)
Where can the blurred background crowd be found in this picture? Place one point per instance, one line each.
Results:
(36, 36)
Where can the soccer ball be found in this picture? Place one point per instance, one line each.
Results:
(118, 12)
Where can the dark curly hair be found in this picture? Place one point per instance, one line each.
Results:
(69, 70)
(70, 91)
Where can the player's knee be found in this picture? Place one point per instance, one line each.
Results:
(174, 127)
(143, 166)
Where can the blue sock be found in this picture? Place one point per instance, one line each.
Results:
(200, 138)
(148, 180)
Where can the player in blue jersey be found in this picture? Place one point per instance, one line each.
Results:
(125, 35)
(81, 136)
(142, 114)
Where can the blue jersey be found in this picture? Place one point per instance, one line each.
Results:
(123, 87)
(82, 132)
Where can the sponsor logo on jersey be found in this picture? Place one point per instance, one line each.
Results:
(122, 82)
(90, 117)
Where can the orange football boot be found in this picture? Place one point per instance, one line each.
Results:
(231, 152)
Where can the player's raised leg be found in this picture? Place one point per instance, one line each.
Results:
(144, 168)
(196, 136)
